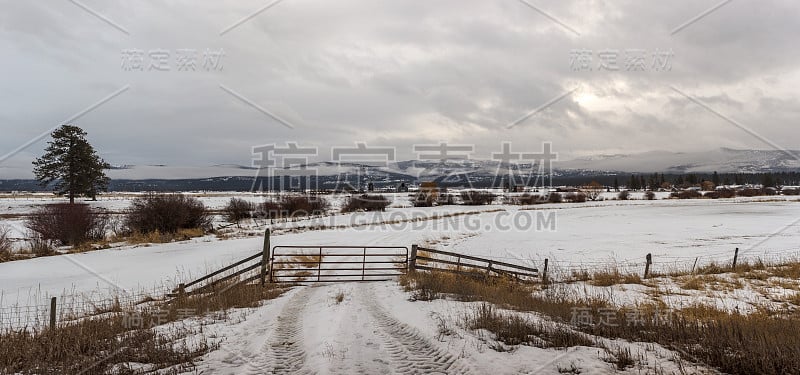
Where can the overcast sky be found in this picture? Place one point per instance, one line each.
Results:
(397, 73)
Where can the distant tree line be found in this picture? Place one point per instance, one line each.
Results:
(657, 181)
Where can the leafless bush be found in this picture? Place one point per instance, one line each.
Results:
(268, 210)
(686, 194)
(525, 199)
(791, 192)
(424, 199)
(366, 202)
(749, 192)
(555, 198)
(476, 197)
(303, 205)
(166, 213)
(237, 210)
(446, 199)
(5, 240)
(68, 224)
(649, 195)
(5, 244)
(624, 195)
(726, 193)
(575, 197)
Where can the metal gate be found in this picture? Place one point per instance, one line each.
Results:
(336, 263)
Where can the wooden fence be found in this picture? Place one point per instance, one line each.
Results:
(439, 260)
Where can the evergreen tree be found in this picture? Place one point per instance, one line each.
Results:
(72, 163)
(715, 178)
(767, 180)
(616, 184)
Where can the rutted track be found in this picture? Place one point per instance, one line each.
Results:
(410, 351)
(284, 352)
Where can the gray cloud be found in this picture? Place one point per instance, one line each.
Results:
(397, 73)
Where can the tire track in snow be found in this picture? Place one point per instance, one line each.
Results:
(410, 351)
(284, 352)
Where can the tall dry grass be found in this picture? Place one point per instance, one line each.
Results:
(763, 342)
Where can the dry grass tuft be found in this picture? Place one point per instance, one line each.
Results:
(513, 329)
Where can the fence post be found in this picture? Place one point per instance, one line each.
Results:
(544, 273)
(735, 257)
(412, 262)
(53, 313)
(181, 290)
(265, 259)
(649, 259)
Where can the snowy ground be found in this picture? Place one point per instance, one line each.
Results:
(376, 329)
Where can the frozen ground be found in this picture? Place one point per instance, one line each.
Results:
(593, 234)
(375, 329)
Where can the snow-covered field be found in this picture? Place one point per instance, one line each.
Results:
(375, 328)
(579, 235)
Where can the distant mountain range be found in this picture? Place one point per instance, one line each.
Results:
(723, 160)
(482, 172)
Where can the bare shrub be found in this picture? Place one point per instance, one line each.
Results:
(446, 199)
(68, 224)
(749, 192)
(650, 195)
(791, 192)
(525, 199)
(166, 213)
(686, 194)
(476, 197)
(237, 210)
(366, 202)
(624, 195)
(5, 244)
(302, 205)
(268, 210)
(424, 199)
(555, 198)
(5, 240)
(726, 193)
(576, 197)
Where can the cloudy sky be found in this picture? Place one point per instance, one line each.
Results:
(397, 73)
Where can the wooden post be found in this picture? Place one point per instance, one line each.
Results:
(695, 263)
(735, 257)
(544, 273)
(364, 266)
(53, 313)
(649, 259)
(319, 264)
(265, 259)
(412, 262)
(181, 290)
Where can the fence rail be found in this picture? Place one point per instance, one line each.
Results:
(440, 260)
(331, 263)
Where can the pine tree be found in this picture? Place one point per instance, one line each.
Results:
(72, 163)
(715, 178)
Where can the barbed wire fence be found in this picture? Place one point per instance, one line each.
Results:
(73, 307)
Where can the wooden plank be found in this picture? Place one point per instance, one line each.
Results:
(228, 277)
(478, 266)
(210, 275)
(494, 262)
